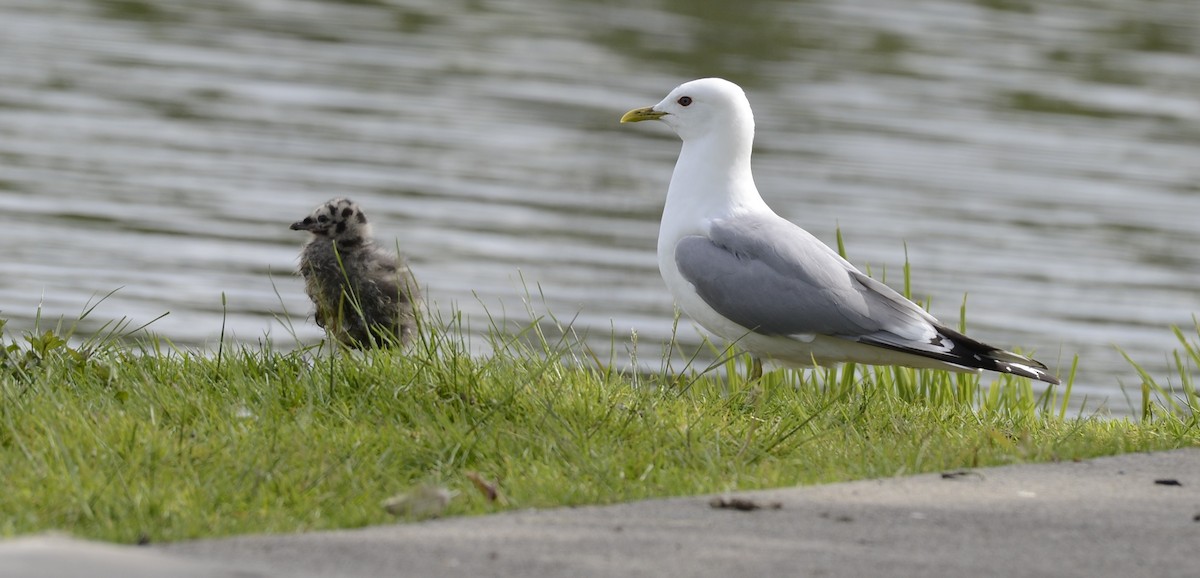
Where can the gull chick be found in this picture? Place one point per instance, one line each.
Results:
(365, 295)
(754, 278)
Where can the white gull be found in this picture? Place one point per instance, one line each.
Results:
(754, 278)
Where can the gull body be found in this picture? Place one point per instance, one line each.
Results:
(364, 295)
(754, 278)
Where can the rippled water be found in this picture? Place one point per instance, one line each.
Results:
(1043, 158)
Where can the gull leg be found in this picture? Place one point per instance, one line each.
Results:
(755, 368)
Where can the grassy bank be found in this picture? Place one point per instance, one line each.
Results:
(123, 442)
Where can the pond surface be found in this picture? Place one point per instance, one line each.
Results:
(1041, 158)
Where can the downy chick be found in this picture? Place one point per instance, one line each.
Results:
(365, 295)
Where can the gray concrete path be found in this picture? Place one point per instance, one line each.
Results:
(1130, 515)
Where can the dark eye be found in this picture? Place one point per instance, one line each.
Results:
(684, 100)
(322, 218)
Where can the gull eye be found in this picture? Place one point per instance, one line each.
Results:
(684, 100)
(322, 219)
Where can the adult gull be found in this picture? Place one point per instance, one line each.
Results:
(756, 279)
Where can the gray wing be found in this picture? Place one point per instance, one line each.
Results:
(770, 276)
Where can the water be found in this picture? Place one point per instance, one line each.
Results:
(1039, 157)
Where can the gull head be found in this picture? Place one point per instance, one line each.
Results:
(335, 219)
(700, 108)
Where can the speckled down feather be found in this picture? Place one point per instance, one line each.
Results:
(364, 295)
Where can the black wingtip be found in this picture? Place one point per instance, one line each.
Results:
(957, 349)
(1025, 370)
(996, 359)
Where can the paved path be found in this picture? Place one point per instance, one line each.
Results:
(1130, 515)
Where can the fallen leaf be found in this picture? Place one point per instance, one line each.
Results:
(741, 504)
(488, 489)
(421, 503)
(958, 474)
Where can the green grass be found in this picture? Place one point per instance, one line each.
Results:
(133, 441)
